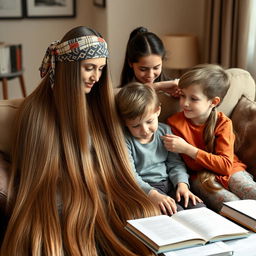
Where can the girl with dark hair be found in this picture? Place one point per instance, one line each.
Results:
(143, 62)
(71, 185)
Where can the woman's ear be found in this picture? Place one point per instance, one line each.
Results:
(215, 101)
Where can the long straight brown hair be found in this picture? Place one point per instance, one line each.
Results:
(72, 188)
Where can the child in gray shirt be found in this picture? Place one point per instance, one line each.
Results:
(160, 173)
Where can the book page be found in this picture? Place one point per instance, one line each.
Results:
(218, 248)
(209, 224)
(163, 230)
(245, 246)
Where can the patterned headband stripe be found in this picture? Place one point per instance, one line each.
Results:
(79, 43)
(81, 48)
(82, 53)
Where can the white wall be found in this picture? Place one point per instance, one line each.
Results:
(115, 22)
(160, 17)
(35, 36)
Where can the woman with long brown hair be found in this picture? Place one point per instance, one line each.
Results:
(71, 188)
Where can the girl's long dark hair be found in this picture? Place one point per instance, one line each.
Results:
(141, 43)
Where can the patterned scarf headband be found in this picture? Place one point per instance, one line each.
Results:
(81, 48)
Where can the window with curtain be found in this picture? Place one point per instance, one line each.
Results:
(251, 48)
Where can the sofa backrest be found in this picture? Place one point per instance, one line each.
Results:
(242, 84)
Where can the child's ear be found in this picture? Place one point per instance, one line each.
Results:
(215, 101)
(158, 110)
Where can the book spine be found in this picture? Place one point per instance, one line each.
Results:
(19, 57)
(13, 58)
(10, 58)
(1, 58)
(5, 60)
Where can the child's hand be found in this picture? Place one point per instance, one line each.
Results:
(174, 143)
(183, 191)
(166, 204)
(170, 87)
(177, 144)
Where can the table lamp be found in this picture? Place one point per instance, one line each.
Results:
(181, 50)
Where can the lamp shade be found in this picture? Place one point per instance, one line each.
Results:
(182, 51)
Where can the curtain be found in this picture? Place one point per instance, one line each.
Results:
(227, 32)
(251, 53)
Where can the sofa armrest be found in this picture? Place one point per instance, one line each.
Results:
(8, 110)
(244, 123)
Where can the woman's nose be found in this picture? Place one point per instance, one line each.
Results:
(95, 76)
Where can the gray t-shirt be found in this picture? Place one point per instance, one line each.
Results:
(153, 163)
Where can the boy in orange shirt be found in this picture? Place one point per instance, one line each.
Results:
(205, 139)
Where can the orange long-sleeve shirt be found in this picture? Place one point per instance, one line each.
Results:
(223, 162)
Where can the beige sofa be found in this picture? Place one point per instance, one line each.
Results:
(238, 104)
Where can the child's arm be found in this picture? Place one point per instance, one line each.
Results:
(170, 87)
(166, 204)
(179, 177)
(176, 144)
(220, 162)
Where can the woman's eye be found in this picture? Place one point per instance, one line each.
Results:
(149, 121)
(88, 68)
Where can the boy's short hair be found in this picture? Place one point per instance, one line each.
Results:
(136, 100)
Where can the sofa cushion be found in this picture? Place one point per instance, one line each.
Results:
(244, 122)
(8, 110)
(241, 84)
(169, 106)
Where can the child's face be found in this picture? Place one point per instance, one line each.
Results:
(195, 104)
(144, 128)
(147, 69)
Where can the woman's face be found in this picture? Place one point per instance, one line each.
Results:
(91, 70)
(148, 68)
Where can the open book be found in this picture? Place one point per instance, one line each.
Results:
(241, 211)
(212, 249)
(184, 229)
